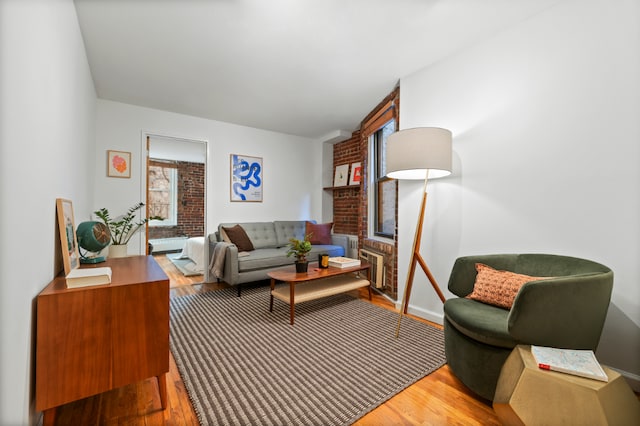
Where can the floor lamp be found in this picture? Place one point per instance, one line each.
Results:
(418, 153)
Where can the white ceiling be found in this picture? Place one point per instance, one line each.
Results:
(303, 67)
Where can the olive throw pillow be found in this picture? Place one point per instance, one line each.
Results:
(498, 288)
(239, 237)
(319, 233)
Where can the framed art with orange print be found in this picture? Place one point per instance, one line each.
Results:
(356, 170)
(118, 164)
(68, 241)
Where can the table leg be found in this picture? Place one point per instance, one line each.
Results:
(162, 389)
(273, 285)
(369, 279)
(292, 304)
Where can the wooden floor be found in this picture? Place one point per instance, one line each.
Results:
(437, 399)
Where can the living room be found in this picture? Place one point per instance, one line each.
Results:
(545, 139)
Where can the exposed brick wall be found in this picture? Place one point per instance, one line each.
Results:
(389, 250)
(191, 199)
(190, 204)
(346, 205)
(350, 205)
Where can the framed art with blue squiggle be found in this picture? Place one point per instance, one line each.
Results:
(246, 178)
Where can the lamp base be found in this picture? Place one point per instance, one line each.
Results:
(92, 260)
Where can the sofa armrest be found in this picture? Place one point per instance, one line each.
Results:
(341, 240)
(566, 312)
(231, 265)
(230, 273)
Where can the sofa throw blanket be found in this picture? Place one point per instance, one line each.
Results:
(217, 260)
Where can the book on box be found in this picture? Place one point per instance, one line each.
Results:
(343, 262)
(581, 363)
(88, 277)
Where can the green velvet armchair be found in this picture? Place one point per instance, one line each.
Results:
(567, 310)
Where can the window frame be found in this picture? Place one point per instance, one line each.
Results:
(379, 180)
(385, 112)
(173, 194)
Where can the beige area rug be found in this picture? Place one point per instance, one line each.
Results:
(186, 266)
(244, 365)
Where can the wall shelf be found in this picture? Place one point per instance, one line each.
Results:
(333, 188)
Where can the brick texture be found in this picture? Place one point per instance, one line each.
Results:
(350, 205)
(190, 204)
(346, 201)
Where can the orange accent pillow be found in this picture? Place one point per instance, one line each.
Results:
(497, 288)
(319, 233)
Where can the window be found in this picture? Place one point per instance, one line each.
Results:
(384, 189)
(163, 194)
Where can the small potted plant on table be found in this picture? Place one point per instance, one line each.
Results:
(299, 249)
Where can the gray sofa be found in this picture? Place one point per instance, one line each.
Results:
(270, 241)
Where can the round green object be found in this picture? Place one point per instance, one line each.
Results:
(93, 236)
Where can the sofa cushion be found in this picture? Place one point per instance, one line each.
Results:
(498, 288)
(261, 234)
(264, 259)
(319, 233)
(287, 229)
(238, 236)
(479, 321)
(273, 257)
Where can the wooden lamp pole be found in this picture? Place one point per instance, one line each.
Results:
(416, 258)
(413, 154)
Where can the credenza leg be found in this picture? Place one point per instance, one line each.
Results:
(162, 389)
(49, 417)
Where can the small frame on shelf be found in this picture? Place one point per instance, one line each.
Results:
(68, 241)
(354, 178)
(341, 175)
(118, 164)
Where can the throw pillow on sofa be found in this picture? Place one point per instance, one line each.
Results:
(239, 237)
(319, 233)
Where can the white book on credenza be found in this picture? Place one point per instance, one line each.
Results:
(88, 276)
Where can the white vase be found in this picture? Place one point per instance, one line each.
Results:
(118, 250)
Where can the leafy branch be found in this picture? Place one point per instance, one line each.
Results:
(123, 228)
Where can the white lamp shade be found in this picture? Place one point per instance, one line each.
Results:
(411, 152)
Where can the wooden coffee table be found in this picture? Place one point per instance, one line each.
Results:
(315, 283)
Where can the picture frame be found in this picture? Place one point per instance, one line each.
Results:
(118, 164)
(68, 239)
(356, 173)
(246, 179)
(341, 175)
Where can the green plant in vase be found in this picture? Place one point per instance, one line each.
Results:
(123, 228)
(299, 249)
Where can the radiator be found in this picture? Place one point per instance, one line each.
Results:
(168, 244)
(352, 247)
(377, 266)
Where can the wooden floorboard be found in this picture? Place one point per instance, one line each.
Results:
(438, 399)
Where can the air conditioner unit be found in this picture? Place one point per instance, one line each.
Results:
(377, 266)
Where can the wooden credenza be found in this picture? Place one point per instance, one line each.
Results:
(93, 339)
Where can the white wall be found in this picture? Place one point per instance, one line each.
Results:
(546, 130)
(291, 164)
(47, 121)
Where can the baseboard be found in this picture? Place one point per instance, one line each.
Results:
(436, 317)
